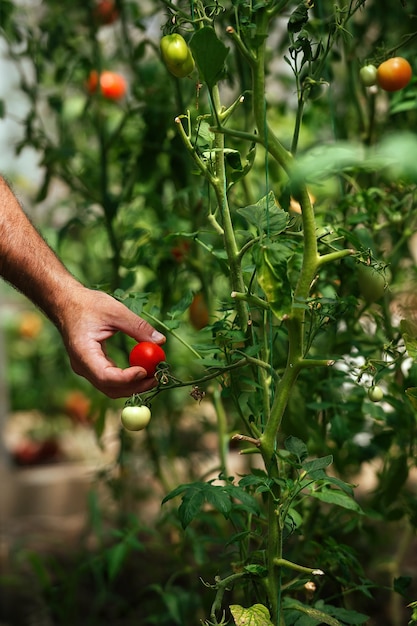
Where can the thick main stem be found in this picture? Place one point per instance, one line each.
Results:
(295, 320)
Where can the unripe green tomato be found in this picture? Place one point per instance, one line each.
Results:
(368, 74)
(371, 283)
(375, 393)
(135, 417)
(177, 55)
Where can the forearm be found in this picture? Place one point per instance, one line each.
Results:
(28, 263)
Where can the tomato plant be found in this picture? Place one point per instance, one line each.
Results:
(295, 282)
(147, 355)
(135, 417)
(394, 74)
(177, 55)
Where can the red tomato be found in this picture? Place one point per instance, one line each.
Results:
(30, 452)
(198, 312)
(112, 85)
(147, 355)
(105, 12)
(394, 74)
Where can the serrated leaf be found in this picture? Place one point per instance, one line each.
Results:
(296, 447)
(339, 498)
(209, 54)
(272, 274)
(317, 464)
(313, 614)
(256, 615)
(266, 215)
(220, 500)
(245, 498)
(256, 570)
(190, 506)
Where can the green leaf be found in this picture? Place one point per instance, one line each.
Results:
(402, 585)
(296, 447)
(317, 617)
(339, 498)
(116, 555)
(191, 505)
(272, 273)
(316, 464)
(209, 54)
(408, 331)
(266, 215)
(195, 495)
(256, 615)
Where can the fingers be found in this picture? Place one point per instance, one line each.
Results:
(113, 381)
(135, 326)
(98, 317)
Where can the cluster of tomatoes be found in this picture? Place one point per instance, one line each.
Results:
(392, 75)
(148, 355)
(112, 85)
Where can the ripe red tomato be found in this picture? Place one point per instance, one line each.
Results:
(394, 74)
(112, 85)
(135, 417)
(198, 312)
(147, 355)
(105, 12)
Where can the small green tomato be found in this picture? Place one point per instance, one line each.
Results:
(375, 393)
(368, 75)
(135, 417)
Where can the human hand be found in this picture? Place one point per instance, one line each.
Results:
(88, 320)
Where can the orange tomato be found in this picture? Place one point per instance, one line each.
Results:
(112, 85)
(198, 312)
(394, 74)
(78, 406)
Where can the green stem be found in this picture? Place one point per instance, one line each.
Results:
(221, 431)
(219, 186)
